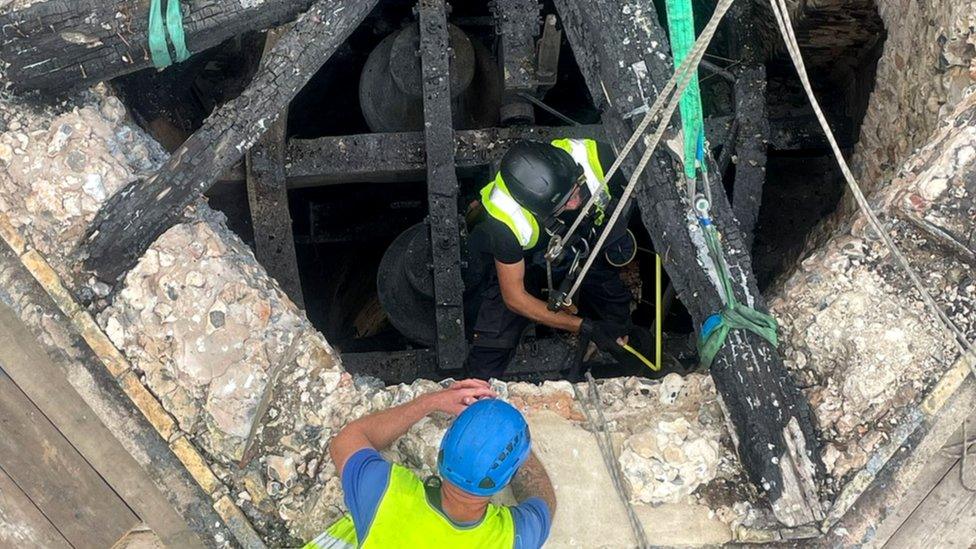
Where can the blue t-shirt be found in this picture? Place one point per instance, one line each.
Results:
(366, 475)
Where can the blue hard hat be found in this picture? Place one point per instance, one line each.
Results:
(483, 448)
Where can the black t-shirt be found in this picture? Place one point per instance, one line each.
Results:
(491, 240)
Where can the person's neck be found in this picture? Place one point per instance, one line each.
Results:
(460, 506)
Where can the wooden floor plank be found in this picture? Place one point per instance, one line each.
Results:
(66, 489)
(21, 523)
(945, 519)
(44, 382)
(938, 511)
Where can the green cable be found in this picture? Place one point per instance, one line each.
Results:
(734, 315)
(158, 29)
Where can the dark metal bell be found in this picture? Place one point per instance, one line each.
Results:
(391, 84)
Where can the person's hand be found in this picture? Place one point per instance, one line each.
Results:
(607, 334)
(459, 396)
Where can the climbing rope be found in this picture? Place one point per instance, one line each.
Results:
(160, 27)
(677, 83)
(781, 12)
(679, 80)
(605, 444)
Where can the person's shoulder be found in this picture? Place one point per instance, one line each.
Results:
(532, 522)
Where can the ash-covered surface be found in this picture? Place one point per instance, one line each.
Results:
(261, 392)
(669, 435)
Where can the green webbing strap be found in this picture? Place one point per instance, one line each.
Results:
(734, 316)
(158, 29)
(681, 27)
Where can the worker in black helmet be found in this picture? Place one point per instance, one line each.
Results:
(537, 192)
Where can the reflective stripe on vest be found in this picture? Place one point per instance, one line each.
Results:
(498, 202)
(404, 518)
(585, 153)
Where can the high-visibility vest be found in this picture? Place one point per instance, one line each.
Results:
(404, 518)
(499, 203)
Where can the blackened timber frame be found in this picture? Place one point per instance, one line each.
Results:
(442, 185)
(59, 45)
(401, 156)
(771, 420)
(267, 195)
(136, 216)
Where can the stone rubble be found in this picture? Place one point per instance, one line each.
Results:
(857, 334)
(61, 167)
(928, 62)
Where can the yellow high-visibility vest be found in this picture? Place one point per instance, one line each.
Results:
(500, 204)
(404, 518)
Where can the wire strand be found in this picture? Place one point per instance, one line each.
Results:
(781, 13)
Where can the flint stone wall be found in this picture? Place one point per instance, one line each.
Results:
(858, 335)
(261, 392)
(928, 62)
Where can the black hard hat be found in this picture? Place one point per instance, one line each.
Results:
(540, 177)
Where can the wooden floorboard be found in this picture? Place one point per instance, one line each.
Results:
(56, 478)
(938, 511)
(22, 524)
(45, 384)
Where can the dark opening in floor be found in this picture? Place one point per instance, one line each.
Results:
(342, 230)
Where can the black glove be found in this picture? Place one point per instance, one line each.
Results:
(604, 333)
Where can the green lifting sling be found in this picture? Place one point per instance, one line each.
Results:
(681, 27)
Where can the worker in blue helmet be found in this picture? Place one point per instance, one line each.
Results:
(486, 448)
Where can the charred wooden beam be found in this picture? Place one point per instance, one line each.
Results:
(442, 185)
(751, 140)
(771, 421)
(59, 44)
(267, 195)
(517, 26)
(749, 95)
(379, 157)
(134, 217)
(786, 133)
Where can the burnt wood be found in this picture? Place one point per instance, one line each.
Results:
(59, 45)
(749, 96)
(749, 93)
(134, 217)
(442, 185)
(771, 421)
(267, 195)
(402, 156)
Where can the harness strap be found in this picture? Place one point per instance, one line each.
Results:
(158, 30)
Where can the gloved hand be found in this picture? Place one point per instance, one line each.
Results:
(604, 333)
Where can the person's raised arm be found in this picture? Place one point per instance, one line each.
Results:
(511, 280)
(532, 480)
(381, 429)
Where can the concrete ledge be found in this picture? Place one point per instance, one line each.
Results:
(149, 406)
(238, 524)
